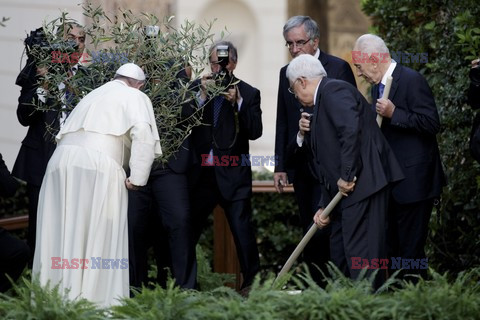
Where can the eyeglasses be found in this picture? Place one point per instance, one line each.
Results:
(290, 89)
(299, 44)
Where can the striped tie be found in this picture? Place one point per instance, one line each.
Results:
(217, 106)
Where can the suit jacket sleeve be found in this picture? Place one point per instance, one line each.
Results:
(343, 111)
(250, 115)
(142, 154)
(474, 89)
(293, 148)
(27, 114)
(417, 111)
(281, 133)
(8, 184)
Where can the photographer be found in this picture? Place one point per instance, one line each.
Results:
(229, 120)
(38, 145)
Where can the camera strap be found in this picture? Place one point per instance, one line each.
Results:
(237, 130)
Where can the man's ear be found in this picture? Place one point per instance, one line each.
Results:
(316, 42)
(303, 82)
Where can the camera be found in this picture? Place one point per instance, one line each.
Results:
(37, 40)
(151, 31)
(223, 77)
(37, 48)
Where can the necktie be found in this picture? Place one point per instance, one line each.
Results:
(217, 106)
(68, 98)
(381, 87)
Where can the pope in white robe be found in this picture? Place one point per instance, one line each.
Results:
(82, 234)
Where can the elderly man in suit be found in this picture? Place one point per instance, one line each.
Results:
(230, 121)
(346, 143)
(302, 36)
(410, 124)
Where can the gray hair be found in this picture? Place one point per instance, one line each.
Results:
(305, 66)
(370, 43)
(232, 50)
(311, 27)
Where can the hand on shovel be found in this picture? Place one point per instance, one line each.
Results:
(321, 221)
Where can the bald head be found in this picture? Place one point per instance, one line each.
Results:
(371, 58)
(370, 43)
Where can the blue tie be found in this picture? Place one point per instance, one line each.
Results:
(217, 106)
(381, 87)
(69, 98)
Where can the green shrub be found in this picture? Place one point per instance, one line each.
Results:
(277, 227)
(16, 205)
(28, 300)
(438, 298)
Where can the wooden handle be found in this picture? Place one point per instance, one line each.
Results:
(306, 238)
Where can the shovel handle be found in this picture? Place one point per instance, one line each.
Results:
(306, 238)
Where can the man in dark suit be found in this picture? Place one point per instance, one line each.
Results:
(38, 145)
(14, 253)
(302, 36)
(164, 204)
(346, 144)
(410, 124)
(230, 121)
(159, 215)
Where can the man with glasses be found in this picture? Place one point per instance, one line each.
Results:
(302, 36)
(222, 175)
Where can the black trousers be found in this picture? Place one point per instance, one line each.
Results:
(359, 232)
(317, 252)
(14, 255)
(159, 216)
(407, 233)
(205, 197)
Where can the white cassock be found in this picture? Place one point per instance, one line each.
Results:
(82, 209)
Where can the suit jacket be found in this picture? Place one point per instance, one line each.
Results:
(182, 160)
(289, 111)
(8, 184)
(473, 94)
(411, 133)
(347, 143)
(234, 181)
(38, 145)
